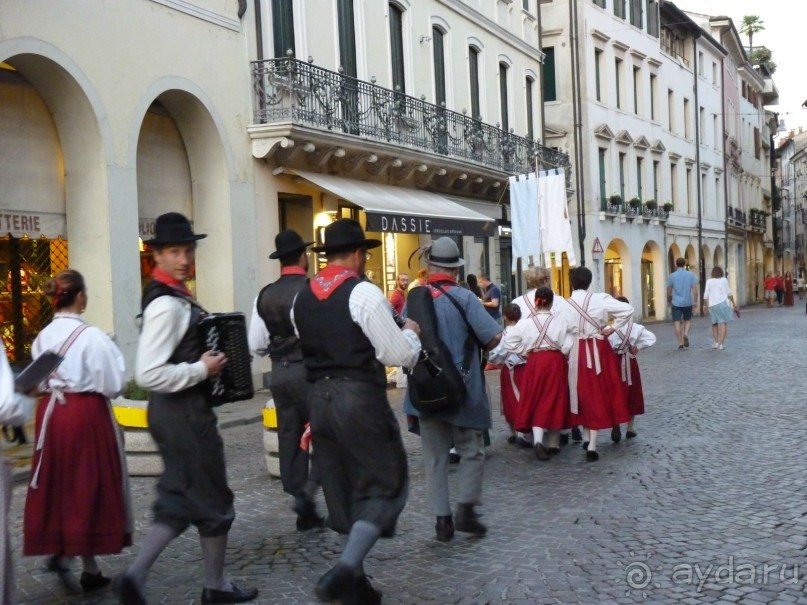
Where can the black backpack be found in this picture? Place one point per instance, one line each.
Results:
(435, 383)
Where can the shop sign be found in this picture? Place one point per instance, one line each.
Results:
(32, 224)
(436, 226)
(145, 227)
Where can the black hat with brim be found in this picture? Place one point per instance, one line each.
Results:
(288, 243)
(173, 228)
(343, 235)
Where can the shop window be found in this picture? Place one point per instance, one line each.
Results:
(25, 265)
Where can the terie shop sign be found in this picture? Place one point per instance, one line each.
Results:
(32, 224)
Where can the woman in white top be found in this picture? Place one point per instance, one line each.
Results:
(717, 296)
(77, 503)
(15, 409)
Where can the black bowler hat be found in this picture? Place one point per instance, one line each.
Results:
(345, 234)
(173, 228)
(288, 242)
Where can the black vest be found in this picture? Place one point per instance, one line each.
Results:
(333, 345)
(191, 346)
(274, 308)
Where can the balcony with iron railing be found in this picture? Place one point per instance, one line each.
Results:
(631, 212)
(301, 94)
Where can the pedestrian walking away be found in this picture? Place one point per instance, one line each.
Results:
(271, 329)
(627, 341)
(546, 341)
(770, 289)
(717, 296)
(15, 409)
(682, 292)
(597, 395)
(172, 364)
(460, 317)
(348, 335)
(78, 496)
(510, 378)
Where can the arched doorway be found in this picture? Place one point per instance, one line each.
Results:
(706, 255)
(719, 258)
(653, 282)
(617, 269)
(673, 254)
(691, 258)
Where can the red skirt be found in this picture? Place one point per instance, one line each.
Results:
(602, 399)
(545, 393)
(78, 508)
(510, 402)
(635, 392)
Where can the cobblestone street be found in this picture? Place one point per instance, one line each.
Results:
(707, 505)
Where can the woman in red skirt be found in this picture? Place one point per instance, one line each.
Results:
(545, 340)
(627, 342)
(511, 376)
(598, 397)
(77, 504)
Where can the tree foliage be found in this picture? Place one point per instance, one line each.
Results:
(763, 55)
(751, 24)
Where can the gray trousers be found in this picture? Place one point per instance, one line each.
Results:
(436, 439)
(6, 565)
(290, 392)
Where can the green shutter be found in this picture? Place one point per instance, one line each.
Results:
(439, 66)
(347, 37)
(550, 88)
(396, 48)
(283, 27)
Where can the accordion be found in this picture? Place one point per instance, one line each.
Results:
(227, 333)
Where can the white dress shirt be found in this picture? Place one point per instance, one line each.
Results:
(93, 364)
(165, 322)
(258, 334)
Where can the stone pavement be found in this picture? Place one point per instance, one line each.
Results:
(707, 505)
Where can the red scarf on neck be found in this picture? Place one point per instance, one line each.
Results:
(329, 279)
(169, 280)
(440, 278)
(294, 270)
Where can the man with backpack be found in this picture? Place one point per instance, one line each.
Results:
(462, 323)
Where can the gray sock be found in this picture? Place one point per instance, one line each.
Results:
(213, 551)
(363, 536)
(158, 537)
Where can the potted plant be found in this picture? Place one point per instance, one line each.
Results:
(651, 204)
(134, 391)
(635, 203)
(615, 199)
(667, 206)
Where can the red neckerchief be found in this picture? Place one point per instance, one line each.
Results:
(439, 278)
(292, 271)
(329, 279)
(169, 280)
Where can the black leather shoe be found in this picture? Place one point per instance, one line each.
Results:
(91, 582)
(540, 452)
(339, 582)
(592, 456)
(616, 433)
(365, 593)
(630, 434)
(306, 522)
(236, 595)
(553, 450)
(444, 528)
(577, 435)
(453, 458)
(521, 442)
(129, 592)
(55, 565)
(564, 438)
(467, 520)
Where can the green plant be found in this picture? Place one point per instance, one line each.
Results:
(134, 391)
(635, 202)
(615, 198)
(651, 204)
(667, 206)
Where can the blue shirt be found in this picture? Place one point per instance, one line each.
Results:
(474, 413)
(493, 292)
(681, 282)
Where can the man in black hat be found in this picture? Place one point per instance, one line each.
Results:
(348, 335)
(172, 363)
(271, 328)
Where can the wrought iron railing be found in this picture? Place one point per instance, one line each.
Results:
(634, 211)
(291, 90)
(737, 216)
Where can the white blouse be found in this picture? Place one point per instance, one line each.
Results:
(15, 408)
(640, 337)
(523, 337)
(601, 308)
(92, 364)
(716, 290)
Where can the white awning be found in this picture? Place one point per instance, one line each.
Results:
(404, 210)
